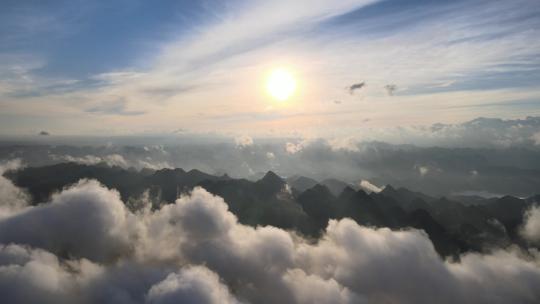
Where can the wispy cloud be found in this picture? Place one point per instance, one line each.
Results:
(117, 107)
(433, 53)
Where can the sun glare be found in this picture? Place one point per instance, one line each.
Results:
(281, 84)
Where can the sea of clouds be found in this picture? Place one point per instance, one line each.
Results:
(85, 246)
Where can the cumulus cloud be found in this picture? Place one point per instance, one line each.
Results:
(154, 165)
(423, 170)
(388, 266)
(536, 138)
(243, 141)
(36, 276)
(531, 228)
(314, 289)
(476, 133)
(292, 148)
(369, 187)
(117, 160)
(483, 132)
(344, 144)
(295, 147)
(110, 160)
(8, 165)
(86, 221)
(195, 250)
(192, 285)
(12, 198)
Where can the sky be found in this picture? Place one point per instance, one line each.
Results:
(142, 67)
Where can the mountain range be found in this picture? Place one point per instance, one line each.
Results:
(454, 224)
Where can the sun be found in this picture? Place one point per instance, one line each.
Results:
(281, 84)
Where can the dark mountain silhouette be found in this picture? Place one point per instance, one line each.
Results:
(320, 204)
(173, 182)
(336, 186)
(454, 225)
(270, 184)
(444, 243)
(41, 182)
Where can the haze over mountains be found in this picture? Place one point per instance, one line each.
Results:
(486, 157)
(270, 220)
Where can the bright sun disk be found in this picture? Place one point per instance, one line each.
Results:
(281, 84)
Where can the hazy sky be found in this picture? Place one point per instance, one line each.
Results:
(139, 67)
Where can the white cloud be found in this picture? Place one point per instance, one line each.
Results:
(232, 53)
(86, 220)
(423, 170)
(191, 285)
(531, 227)
(115, 159)
(343, 143)
(368, 186)
(37, 276)
(110, 160)
(195, 249)
(149, 164)
(536, 138)
(295, 147)
(13, 164)
(314, 289)
(12, 198)
(243, 141)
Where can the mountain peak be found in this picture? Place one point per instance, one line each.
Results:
(271, 177)
(388, 189)
(301, 183)
(271, 183)
(347, 193)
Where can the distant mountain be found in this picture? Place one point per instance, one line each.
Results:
(270, 184)
(409, 200)
(455, 224)
(42, 182)
(264, 202)
(336, 186)
(301, 183)
(173, 182)
(320, 204)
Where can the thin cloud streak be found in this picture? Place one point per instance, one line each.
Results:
(222, 66)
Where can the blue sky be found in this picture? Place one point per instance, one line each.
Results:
(147, 67)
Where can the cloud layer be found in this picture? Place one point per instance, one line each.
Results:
(531, 228)
(86, 247)
(12, 198)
